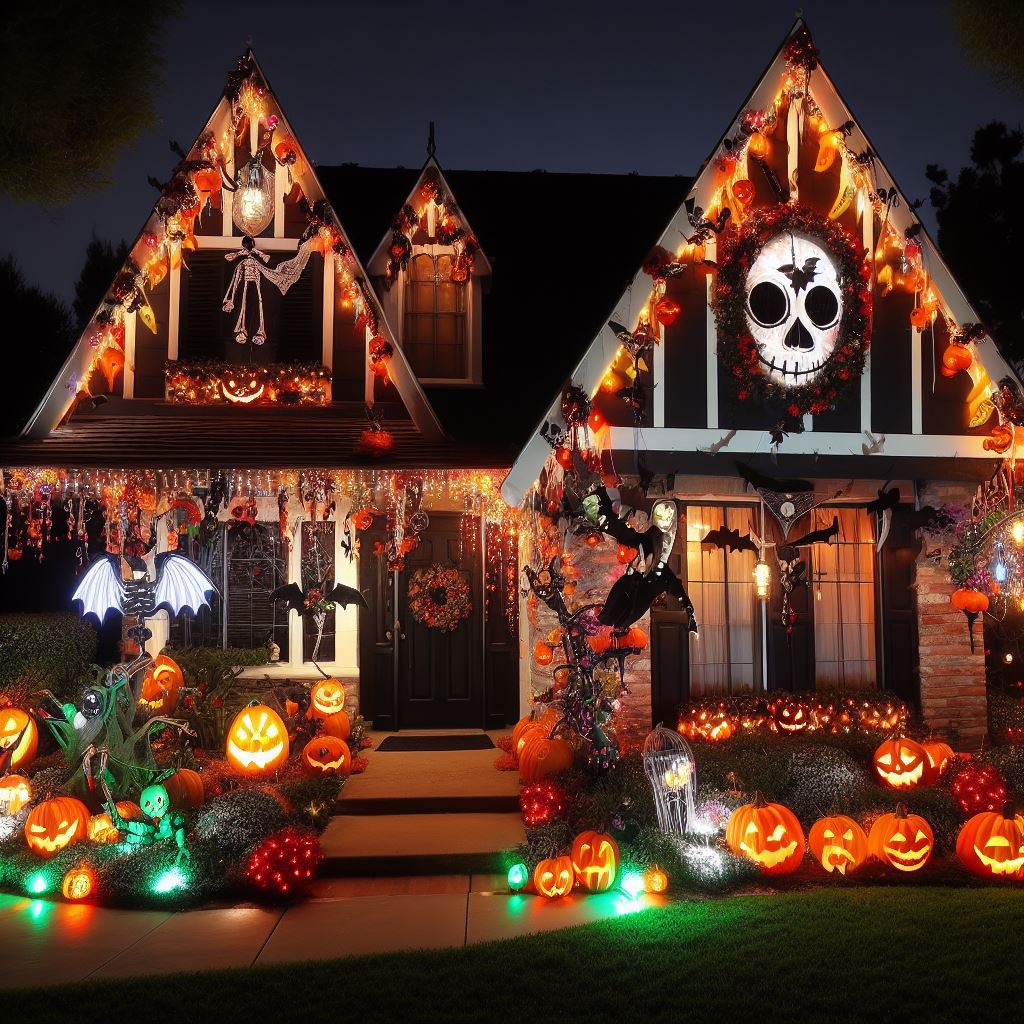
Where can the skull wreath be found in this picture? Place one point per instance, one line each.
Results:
(792, 308)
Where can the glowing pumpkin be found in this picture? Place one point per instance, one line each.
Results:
(791, 717)
(838, 843)
(326, 698)
(637, 638)
(900, 763)
(957, 357)
(337, 724)
(554, 877)
(655, 879)
(939, 756)
(999, 440)
(743, 190)
(257, 742)
(111, 363)
(901, 840)
(15, 792)
(185, 789)
(54, 824)
(768, 834)
(542, 756)
(102, 829)
(525, 727)
(79, 882)
(991, 844)
(363, 519)
(595, 860)
(19, 738)
(161, 686)
(327, 755)
(542, 654)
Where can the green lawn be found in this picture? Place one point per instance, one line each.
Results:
(872, 954)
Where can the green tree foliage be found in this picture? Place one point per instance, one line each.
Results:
(79, 82)
(981, 230)
(992, 32)
(103, 262)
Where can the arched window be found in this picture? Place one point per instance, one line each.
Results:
(434, 339)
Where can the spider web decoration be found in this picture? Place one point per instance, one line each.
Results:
(787, 500)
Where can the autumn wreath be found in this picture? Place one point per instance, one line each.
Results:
(439, 597)
(813, 240)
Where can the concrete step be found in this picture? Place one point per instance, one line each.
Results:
(457, 804)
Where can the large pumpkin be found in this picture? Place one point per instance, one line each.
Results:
(327, 755)
(102, 829)
(554, 877)
(337, 725)
(185, 789)
(838, 843)
(19, 738)
(257, 741)
(529, 724)
(991, 844)
(901, 840)
(326, 698)
(939, 756)
(54, 824)
(595, 860)
(541, 757)
(768, 834)
(15, 792)
(161, 686)
(900, 763)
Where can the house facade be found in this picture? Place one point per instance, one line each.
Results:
(368, 377)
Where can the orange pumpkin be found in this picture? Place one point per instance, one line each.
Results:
(999, 440)
(19, 738)
(337, 725)
(758, 146)
(791, 716)
(363, 519)
(185, 789)
(768, 834)
(542, 654)
(957, 357)
(15, 792)
(527, 725)
(655, 879)
(54, 824)
(991, 844)
(326, 698)
(554, 877)
(637, 638)
(79, 882)
(595, 860)
(257, 742)
(327, 755)
(969, 600)
(161, 686)
(939, 755)
(101, 827)
(901, 840)
(900, 763)
(667, 311)
(838, 843)
(541, 757)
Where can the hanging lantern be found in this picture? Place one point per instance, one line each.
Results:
(669, 766)
(762, 578)
(743, 190)
(957, 357)
(253, 206)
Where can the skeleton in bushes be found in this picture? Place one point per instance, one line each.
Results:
(794, 306)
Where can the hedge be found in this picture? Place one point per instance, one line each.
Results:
(56, 650)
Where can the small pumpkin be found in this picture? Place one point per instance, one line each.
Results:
(768, 834)
(991, 844)
(542, 756)
(79, 882)
(15, 792)
(327, 755)
(327, 697)
(19, 738)
(900, 763)
(655, 880)
(999, 440)
(957, 357)
(901, 840)
(55, 824)
(527, 725)
(939, 755)
(791, 717)
(543, 654)
(185, 789)
(554, 877)
(637, 638)
(161, 686)
(595, 860)
(102, 829)
(337, 724)
(968, 600)
(838, 843)
(257, 742)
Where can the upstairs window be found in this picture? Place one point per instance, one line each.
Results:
(434, 338)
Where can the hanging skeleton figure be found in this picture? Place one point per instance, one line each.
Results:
(648, 576)
(250, 271)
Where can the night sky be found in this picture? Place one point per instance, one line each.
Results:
(600, 87)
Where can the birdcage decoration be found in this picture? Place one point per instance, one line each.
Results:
(252, 208)
(669, 765)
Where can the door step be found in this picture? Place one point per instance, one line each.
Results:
(480, 804)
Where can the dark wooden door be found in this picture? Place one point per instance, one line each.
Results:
(670, 652)
(790, 650)
(897, 615)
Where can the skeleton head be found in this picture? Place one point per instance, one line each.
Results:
(794, 306)
(154, 801)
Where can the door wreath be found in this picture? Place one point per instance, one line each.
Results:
(439, 597)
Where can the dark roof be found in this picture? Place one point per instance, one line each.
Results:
(563, 248)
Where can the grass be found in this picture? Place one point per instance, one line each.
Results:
(861, 954)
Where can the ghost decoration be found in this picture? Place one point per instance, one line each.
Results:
(794, 306)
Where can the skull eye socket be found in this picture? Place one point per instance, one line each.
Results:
(821, 306)
(768, 304)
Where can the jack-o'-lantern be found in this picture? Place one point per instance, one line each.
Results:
(744, 191)
(791, 717)
(712, 724)
(768, 834)
(327, 755)
(257, 741)
(901, 840)
(655, 879)
(242, 389)
(19, 738)
(337, 724)
(554, 877)
(54, 824)
(79, 882)
(595, 860)
(900, 763)
(15, 792)
(102, 829)
(161, 686)
(541, 757)
(185, 789)
(525, 727)
(991, 844)
(939, 756)
(839, 843)
(326, 698)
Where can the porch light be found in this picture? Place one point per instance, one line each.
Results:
(253, 206)
(762, 578)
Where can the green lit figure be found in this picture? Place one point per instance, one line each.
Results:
(161, 824)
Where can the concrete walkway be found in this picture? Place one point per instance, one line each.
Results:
(48, 943)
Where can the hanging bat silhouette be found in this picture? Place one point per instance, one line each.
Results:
(729, 540)
(823, 536)
(180, 585)
(634, 343)
(800, 277)
(886, 500)
(769, 483)
(921, 518)
(304, 601)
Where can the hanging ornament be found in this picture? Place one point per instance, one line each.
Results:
(252, 207)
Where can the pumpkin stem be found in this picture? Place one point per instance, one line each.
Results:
(759, 800)
(901, 810)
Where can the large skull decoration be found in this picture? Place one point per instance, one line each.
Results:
(794, 306)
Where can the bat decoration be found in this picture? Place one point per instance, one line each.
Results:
(823, 536)
(729, 540)
(800, 277)
(180, 585)
(717, 446)
(305, 601)
(633, 342)
(921, 519)
(882, 507)
(876, 445)
(769, 483)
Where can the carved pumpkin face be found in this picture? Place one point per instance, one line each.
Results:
(991, 844)
(595, 860)
(901, 840)
(939, 756)
(56, 823)
(161, 687)
(326, 698)
(655, 879)
(19, 738)
(790, 717)
(900, 763)
(768, 834)
(554, 877)
(257, 741)
(79, 882)
(242, 389)
(838, 843)
(327, 755)
(15, 792)
(102, 829)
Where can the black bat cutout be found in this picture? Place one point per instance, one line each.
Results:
(823, 536)
(295, 597)
(730, 540)
(921, 518)
(768, 483)
(885, 501)
(801, 277)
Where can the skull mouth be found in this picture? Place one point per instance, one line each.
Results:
(798, 369)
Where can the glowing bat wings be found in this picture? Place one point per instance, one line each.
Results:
(180, 583)
(101, 589)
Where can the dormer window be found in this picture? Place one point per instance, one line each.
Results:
(435, 313)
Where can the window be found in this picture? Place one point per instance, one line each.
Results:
(317, 568)
(842, 578)
(434, 336)
(256, 565)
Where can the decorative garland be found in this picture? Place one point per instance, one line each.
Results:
(218, 383)
(439, 597)
(737, 348)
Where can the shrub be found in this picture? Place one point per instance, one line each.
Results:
(238, 820)
(1010, 762)
(823, 779)
(54, 650)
